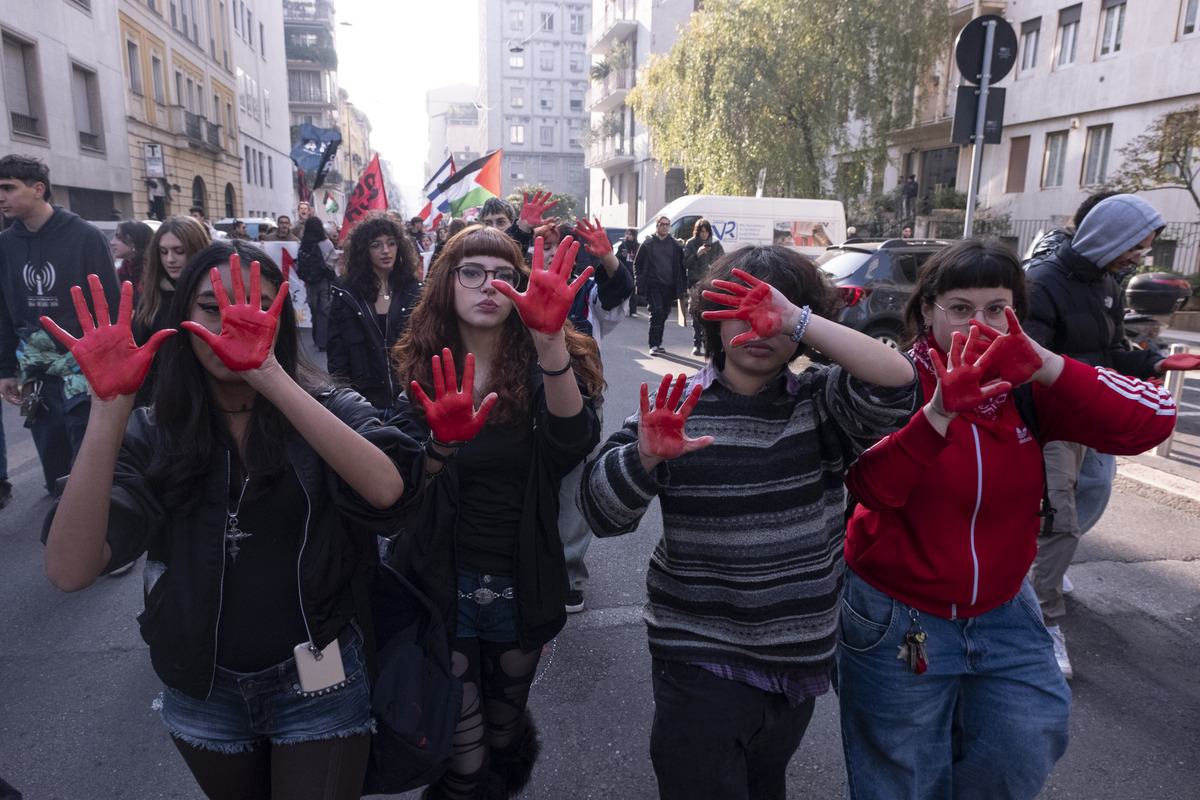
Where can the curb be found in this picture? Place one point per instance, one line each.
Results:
(1173, 491)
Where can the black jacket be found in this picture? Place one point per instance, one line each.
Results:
(358, 350)
(643, 264)
(696, 266)
(186, 548)
(1076, 309)
(425, 551)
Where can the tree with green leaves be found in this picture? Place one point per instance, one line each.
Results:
(565, 210)
(1166, 156)
(781, 86)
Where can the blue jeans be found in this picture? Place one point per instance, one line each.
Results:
(987, 720)
(58, 431)
(721, 739)
(492, 622)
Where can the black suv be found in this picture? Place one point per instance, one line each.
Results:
(874, 280)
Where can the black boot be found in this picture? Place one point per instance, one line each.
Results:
(513, 766)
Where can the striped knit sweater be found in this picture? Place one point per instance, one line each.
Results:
(749, 569)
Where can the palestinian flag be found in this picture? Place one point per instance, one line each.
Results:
(331, 205)
(473, 184)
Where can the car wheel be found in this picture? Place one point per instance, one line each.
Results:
(886, 335)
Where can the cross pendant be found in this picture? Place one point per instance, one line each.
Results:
(233, 535)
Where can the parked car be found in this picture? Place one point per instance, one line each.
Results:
(875, 279)
(109, 226)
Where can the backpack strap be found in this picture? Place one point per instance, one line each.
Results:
(1027, 408)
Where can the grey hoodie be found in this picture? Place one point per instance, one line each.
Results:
(1114, 226)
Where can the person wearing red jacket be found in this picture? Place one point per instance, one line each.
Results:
(947, 678)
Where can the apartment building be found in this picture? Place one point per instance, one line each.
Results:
(64, 102)
(453, 113)
(355, 152)
(312, 62)
(533, 82)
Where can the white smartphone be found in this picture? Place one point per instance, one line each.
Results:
(319, 673)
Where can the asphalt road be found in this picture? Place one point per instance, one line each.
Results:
(76, 686)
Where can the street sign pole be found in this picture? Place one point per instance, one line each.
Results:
(980, 118)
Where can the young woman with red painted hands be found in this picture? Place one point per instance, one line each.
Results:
(743, 587)
(485, 544)
(938, 550)
(257, 491)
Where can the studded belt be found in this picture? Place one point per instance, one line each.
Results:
(483, 596)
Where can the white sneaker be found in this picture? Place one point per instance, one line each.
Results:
(1068, 587)
(1060, 651)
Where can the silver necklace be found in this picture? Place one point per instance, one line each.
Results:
(233, 532)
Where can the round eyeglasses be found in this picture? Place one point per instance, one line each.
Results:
(472, 277)
(962, 314)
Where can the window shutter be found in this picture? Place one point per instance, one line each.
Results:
(16, 89)
(83, 113)
(1031, 25)
(1068, 16)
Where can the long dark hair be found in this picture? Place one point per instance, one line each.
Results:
(434, 325)
(313, 232)
(190, 428)
(137, 236)
(194, 238)
(360, 277)
(975, 263)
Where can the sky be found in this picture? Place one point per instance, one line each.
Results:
(390, 53)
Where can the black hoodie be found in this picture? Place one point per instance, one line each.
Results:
(37, 271)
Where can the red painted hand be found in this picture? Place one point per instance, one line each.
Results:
(1180, 361)
(533, 210)
(451, 414)
(110, 360)
(961, 387)
(660, 430)
(1011, 357)
(544, 305)
(594, 238)
(247, 332)
(761, 305)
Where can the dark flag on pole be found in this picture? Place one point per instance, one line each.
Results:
(304, 192)
(314, 151)
(368, 196)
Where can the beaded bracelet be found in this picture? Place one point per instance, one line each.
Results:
(553, 373)
(802, 325)
(432, 440)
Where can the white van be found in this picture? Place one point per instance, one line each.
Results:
(809, 225)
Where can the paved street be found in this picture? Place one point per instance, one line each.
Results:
(76, 686)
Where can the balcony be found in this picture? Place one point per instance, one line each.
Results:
(617, 24)
(609, 92)
(89, 141)
(23, 123)
(607, 153)
(308, 94)
(311, 12)
(193, 130)
(213, 134)
(193, 123)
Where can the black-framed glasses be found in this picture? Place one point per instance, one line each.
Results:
(962, 313)
(471, 276)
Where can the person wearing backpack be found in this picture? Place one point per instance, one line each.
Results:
(947, 679)
(315, 264)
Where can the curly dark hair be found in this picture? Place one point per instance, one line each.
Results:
(788, 270)
(434, 325)
(360, 277)
(978, 262)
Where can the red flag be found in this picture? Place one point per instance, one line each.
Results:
(368, 195)
(303, 190)
(288, 264)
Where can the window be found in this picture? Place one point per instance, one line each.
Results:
(135, 66)
(262, 40)
(1018, 161)
(547, 21)
(546, 171)
(266, 106)
(546, 99)
(229, 200)
(576, 62)
(547, 135)
(156, 75)
(546, 61)
(1112, 27)
(516, 97)
(250, 28)
(216, 110)
(85, 96)
(1190, 9)
(576, 100)
(517, 21)
(573, 133)
(1068, 35)
(1031, 33)
(1095, 160)
(304, 86)
(574, 172)
(516, 62)
(516, 170)
(1056, 158)
(270, 172)
(249, 162)
(241, 89)
(578, 25)
(22, 94)
(516, 134)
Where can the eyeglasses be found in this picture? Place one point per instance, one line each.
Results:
(663, 224)
(962, 314)
(472, 277)
(1138, 253)
(390, 244)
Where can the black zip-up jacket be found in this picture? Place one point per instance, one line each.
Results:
(358, 350)
(644, 264)
(1076, 309)
(186, 548)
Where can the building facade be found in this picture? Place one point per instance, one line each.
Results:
(626, 184)
(453, 113)
(533, 83)
(355, 153)
(180, 107)
(261, 79)
(64, 102)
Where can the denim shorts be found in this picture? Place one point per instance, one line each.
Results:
(492, 622)
(245, 710)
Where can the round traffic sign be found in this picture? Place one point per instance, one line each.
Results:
(968, 50)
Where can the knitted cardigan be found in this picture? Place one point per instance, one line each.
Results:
(749, 568)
